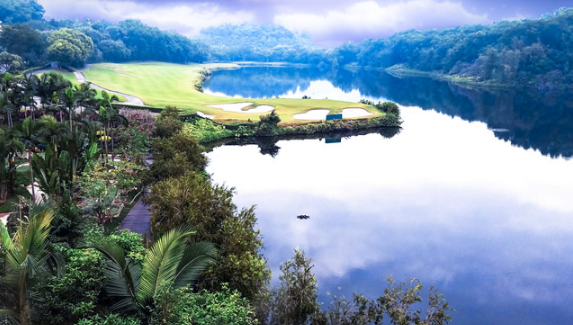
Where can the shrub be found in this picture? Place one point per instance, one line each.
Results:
(183, 307)
(206, 130)
(112, 319)
(132, 244)
(74, 295)
(389, 107)
(193, 200)
(168, 123)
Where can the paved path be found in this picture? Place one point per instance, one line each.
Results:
(138, 219)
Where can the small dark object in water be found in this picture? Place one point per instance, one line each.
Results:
(303, 217)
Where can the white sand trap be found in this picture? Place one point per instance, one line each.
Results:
(355, 112)
(238, 108)
(203, 115)
(312, 115)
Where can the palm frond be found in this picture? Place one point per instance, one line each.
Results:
(161, 262)
(195, 260)
(123, 276)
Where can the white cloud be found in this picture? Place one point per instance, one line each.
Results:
(370, 19)
(186, 19)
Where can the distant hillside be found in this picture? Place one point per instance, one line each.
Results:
(536, 53)
(265, 43)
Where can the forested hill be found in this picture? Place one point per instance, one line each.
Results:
(35, 41)
(260, 43)
(537, 52)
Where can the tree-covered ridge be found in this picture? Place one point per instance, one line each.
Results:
(27, 34)
(260, 43)
(528, 52)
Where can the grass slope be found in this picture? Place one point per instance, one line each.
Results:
(163, 84)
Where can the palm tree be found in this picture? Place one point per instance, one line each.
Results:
(27, 255)
(52, 130)
(70, 103)
(9, 148)
(168, 264)
(6, 108)
(86, 96)
(30, 136)
(46, 85)
(110, 118)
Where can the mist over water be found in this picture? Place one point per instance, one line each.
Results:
(472, 196)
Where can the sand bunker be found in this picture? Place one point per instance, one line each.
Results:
(355, 112)
(203, 115)
(312, 115)
(238, 108)
(320, 114)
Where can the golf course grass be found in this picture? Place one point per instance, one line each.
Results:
(165, 84)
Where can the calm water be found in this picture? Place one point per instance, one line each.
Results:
(474, 196)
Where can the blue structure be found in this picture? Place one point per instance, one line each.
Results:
(331, 117)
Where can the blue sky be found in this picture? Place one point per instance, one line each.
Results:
(329, 22)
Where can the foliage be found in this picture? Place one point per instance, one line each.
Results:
(522, 53)
(19, 11)
(262, 43)
(112, 319)
(183, 307)
(389, 107)
(168, 123)
(269, 124)
(206, 130)
(131, 243)
(169, 263)
(294, 303)
(28, 256)
(24, 41)
(74, 295)
(69, 46)
(175, 156)
(10, 62)
(193, 200)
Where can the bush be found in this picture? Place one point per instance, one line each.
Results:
(175, 156)
(109, 320)
(389, 108)
(193, 200)
(183, 307)
(74, 295)
(132, 244)
(168, 123)
(206, 130)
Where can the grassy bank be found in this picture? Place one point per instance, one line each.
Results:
(164, 84)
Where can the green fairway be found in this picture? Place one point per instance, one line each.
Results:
(163, 84)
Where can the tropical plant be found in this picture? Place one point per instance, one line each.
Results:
(9, 148)
(29, 134)
(28, 256)
(169, 263)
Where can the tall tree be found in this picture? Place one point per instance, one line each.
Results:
(69, 46)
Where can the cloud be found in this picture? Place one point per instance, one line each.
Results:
(370, 19)
(187, 19)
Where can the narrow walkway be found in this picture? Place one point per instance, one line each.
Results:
(138, 219)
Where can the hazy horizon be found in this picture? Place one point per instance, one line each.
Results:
(329, 23)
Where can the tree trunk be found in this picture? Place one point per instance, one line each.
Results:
(31, 174)
(112, 145)
(71, 110)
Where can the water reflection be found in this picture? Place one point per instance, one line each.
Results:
(486, 222)
(541, 121)
(446, 201)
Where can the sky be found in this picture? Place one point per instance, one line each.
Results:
(328, 22)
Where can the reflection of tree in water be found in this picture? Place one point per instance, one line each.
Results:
(541, 121)
(259, 82)
(268, 145)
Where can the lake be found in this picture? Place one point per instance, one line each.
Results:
(474, 195)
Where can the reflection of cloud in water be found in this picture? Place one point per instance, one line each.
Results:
(320, 89)
(445, 201)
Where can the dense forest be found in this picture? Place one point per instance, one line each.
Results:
(260, 43)
(537, 52)
(36, 41)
